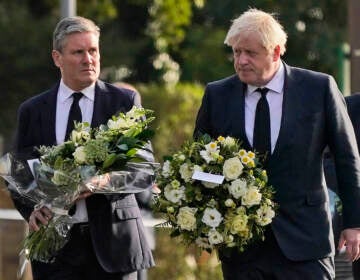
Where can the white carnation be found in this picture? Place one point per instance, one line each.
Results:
(215, 237)
(166, 169)
(212, 217)
(185, 172)
(264, 215)
(237, 188)
(174, 194)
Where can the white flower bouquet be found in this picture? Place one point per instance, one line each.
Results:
(215, 194)
(111, 159)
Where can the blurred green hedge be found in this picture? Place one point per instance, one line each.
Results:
(175, 109)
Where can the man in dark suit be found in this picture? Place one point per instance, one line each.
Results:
(302, 113)
(109, 242)
(353, 105)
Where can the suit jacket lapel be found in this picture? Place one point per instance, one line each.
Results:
(292, 95)
(100, 105)
(238, 112)
(48, 116)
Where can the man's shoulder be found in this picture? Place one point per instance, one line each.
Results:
(306, 73)
(111, 90)
(225, 81)
(39, 99)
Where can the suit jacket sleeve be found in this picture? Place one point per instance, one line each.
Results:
(342, 143)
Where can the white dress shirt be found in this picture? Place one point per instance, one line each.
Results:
(63, 104)
(275, 100)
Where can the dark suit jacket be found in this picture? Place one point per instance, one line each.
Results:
(314, 116)
(116, 228)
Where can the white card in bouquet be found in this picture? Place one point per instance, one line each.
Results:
(208, 177)
(31, 164)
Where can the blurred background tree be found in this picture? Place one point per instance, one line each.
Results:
(169, 50)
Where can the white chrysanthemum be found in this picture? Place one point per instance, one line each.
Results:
(229, 142)
(252, 197)
(215, 237)
(212, 217)
(80, 155)
(166, 169)
(264, 215)
(237, 188)
(232, 168)
(185, 172)
(186, 218)
(174, 194)
(119, 123)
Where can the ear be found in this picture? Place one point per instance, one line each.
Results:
(276, 54)
(56, 55)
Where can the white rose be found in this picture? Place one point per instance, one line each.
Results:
(80, 155)
(232, 168)
(186, 218)
(174, 195)
(264, 215)
(212, 217)
(252, 197)
(185, 172)
(238, 224)
(166, 169)
(215, 237)
(237, 188)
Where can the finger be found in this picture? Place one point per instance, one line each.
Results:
(32, 223)
(349, 252)
(46, 213)
(355, 252)
(40, 217)
(341, 242)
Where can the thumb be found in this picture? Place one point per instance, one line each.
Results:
(341, 241)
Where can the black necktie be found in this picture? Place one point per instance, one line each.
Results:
(262, 134)
(74, 113)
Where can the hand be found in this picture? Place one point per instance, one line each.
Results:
(155, 189)
(84, 195)
(98, 182)
(351, 239)
(42, 215)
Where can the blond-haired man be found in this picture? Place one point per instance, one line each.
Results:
(301, 113)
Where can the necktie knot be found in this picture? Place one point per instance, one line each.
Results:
(263, 91)
(77, 96)
(74, 113)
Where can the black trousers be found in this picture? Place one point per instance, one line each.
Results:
(265, 261)
(76, 261)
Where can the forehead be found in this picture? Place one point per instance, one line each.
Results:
(249, 40)
(81, 40)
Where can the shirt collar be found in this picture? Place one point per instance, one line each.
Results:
(276, 84)
(65, 92)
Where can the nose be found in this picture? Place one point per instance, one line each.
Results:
(241, 59)
(88, 57)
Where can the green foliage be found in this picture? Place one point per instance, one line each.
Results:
(175, 110)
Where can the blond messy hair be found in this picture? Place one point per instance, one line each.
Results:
(269, 30)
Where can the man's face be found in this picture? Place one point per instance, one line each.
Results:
(79, 60)
(252, 62)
